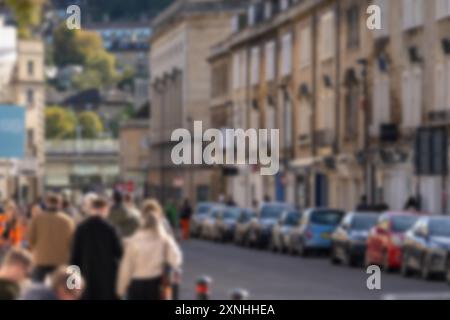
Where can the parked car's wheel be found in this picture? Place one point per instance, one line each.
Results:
(405, 269)
(272, 246)
(333, 256)
(386, 265)
(301, 248)
(367, 261)
(425, 270)
(350, 258)
(448, 270)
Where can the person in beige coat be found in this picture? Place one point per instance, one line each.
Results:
(50, 237)
(146, 254)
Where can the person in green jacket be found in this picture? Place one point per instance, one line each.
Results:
(171, 213)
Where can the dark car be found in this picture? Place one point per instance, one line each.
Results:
(349, 241)
(242, 226)
(314, 231)
(225, 224)
(426, 247)
(281, 231)
(260, 230)
(200, 214)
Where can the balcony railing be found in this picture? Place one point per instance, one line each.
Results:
(68, 147)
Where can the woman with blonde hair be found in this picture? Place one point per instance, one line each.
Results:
(147, 254)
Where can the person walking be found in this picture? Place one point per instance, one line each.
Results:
(171, 214)
(50, 236)
(13, 227)
(121, 218)
(97, 250)
(148, 255)
(186, 214)
(13, 271)
(130, 206)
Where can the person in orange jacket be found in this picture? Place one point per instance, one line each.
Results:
(12, 233)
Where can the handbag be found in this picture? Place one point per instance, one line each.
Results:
(166, 279)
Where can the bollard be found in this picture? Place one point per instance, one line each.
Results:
(203, 288)
(176, 281)
(239, 294)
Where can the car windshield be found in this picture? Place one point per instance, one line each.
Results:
(327, 217)
(273, 211)
(440, 227)
(203, 208)
(247, 216)
(364, 222)
(292, 218)
(231, 213)
(215, 212)
(403, 223)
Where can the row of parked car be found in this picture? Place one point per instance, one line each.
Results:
(413, 243)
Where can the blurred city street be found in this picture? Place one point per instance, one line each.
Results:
(271, 276)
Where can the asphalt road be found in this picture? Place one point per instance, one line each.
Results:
(271, 276)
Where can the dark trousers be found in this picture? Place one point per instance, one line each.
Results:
(148, 289)
(41, 272)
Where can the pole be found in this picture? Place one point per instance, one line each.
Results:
(203, 288)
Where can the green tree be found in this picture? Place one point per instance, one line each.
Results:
(65, 47)
(84, 48)
(90, 124)
(60, 123)
(27, 13)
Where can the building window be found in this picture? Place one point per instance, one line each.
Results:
(327, 37)
(442, 9)
(305, 47)
(254, 66)
(30, 68)
(385, 18)
(412, 97)
(353, 28)
(270, 116)
(305, 120)
(381, 101)
(30, 97)
(270, 61)
(236, 71)
(254, 116)
(325, 112)
(287, 121)
(286, 57)
(30, 138)
(412, 13)
(351, 112)
(251, 15)
(442, 81)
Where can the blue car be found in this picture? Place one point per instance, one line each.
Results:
(314, 231)
(426, 247)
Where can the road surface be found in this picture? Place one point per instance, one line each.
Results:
(268, 276)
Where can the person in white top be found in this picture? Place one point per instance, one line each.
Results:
(147, 253)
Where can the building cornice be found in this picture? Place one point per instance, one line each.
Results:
(251, 33)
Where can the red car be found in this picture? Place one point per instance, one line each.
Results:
(386, 239)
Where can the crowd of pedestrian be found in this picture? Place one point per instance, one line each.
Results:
(103, 249)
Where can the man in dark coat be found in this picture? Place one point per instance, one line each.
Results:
(97, 251)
